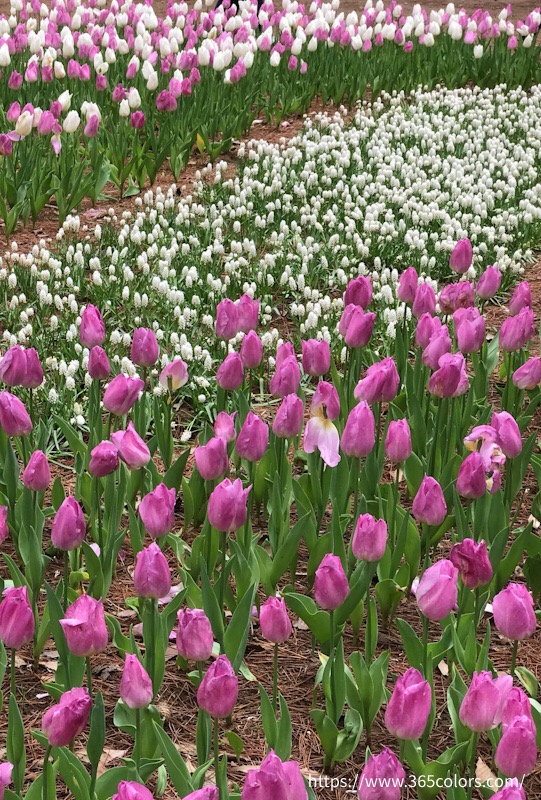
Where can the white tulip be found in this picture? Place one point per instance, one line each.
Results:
(72, 122)
(23, 126)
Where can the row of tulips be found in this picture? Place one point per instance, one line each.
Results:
(379, 433)
(202, 76)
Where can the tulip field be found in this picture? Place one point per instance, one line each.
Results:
(270, 467)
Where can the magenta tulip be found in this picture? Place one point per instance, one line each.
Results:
(274, 620)
(472, 561)
(289, 417)
(103, 459)
(224, 426)
(121, 394)
(68, 718)
(253, 438)
(248, 311)
(194, 635)
(470, 330)
(514, 614)
(511, 791)
(455, 296)
(451, 379)
(211, 459)
(84, 626)
(429, 503)
(135, 685)
(218, 691)
(5, 777)
(369, 538)
(16, 618)
(398, 447)
(230, 373)
(33, 377)
(131, 790)
(438, 345)
(92, 327)
(251, 350)
(382, 777)
(37, 475)
(517, 704)
(274, 779)
(152, 576)
(14, 419)
(489, 283)
(227, 510)
(13, 366)
(407, 285)
(482, 706)
(69, 526)
(157, 510)
(206, 793)
(359, 433)
(516, 332)
(508, 433)
(144, 348)
(227, 319)
(380, 383)
(131, 448)
(358, 292)
(425, 301)
(331, 585)
(528, 376)
(472, 478)
(316, 357)
(516, 753)
(99, 368)
(4, 527)
(408, 709)
(174, 375)
(462, 256)
(521, 298)
(437, 591)
(287, 377)
(426, 328)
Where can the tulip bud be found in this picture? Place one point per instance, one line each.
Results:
(16, 618)
(157, 510)
(359, 433)
(174, 375)
(230, 373)
(369, 538)
(429, 503)
(121, 394)
(472, 479)
(99, 368)
(33, 376)
(37, 475)
(14, 419)
(211, 459)
(84, 626)
(472, 561)
(516, 753)
(521, 298)
(516, 704)
(103, 459)
(227, 319)
(92, 327)
(316, 357)
(224, 426)
(482, 706)
(426, 328)
(489, 283)
(5, 776)
(13, 366)
(461, 256)
(253, 438)
(274, 779)
(251, 350)
(144, 348)
(425, 300)
(194, 635)
(218, 691)
(437, 591)
(287, 378)
(331, 585)
(383, 774)
(135, 685)
(69, 527)
(398, 446)
(470, 329)
(248, 311)
(356, 326)
(511, 791)
(380, 383)
(451, 379)
(516, 332)
(131, 790)
(358, 292)
(67, 719)
(206, 793)
(514, 614)
(131, 448)
(274, 620)
(439, 344)
(408, 709)
(508, 433)
(528, 376)
(227, 509)
(407, 285)
(151, 576)
(289, 417)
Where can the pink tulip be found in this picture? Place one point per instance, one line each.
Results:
(274, 779)
(68, 718)
(407, 285)
(425, 301)
(152, 576)
(194, 635)
(380, 383)
(369, 539)
(33, 377)
(5, 777)
(472, 561)
(92, 327)
(274, 620)
(253, 438)
(331, 585)
(206, 793)
(157, 510)
(144, 348)
(489, 283)
(516, 332)
(429, 503)
(528, 376)
(382, 777)
(516, 753)
(472, 479)
(251, 350)
(99, 368)
(427, 326)
(521, 298)
(230, 373)
(37, 475)
(437, 591)
(131, 448)
(451, 379)
(122, 394)
(84, 626)
(13, 366)
(470, 329)
(248, 311)
(358, 292)
(514, 614)
(455, 296)
(461, 256)
(398, 447)
(356, 326)
(224, 426)
(407, 711)
(227, 319)
(289, 417)
(482, 706)
(131, 790)
(511, 791)
(14, 419)
(508, 433)
(359, 433)
(218, 691)
(4, 527)
(211, 459)
(517, 704)
(103, 459)
(135, 685)
(316, 357)
(174, 375)
(227, 509)
(16, 618)
(438, 345)
(287, 377)
(69, 527)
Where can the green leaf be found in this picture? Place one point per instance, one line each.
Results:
(236, 635)
(179, 774)
(96, 738)
(16, 752)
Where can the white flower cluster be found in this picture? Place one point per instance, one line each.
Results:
(398, 184)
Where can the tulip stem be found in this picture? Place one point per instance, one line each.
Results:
(217, 753)
(275, 681)
(514, 657)
(425, 648)
(136, 747)
(98, 516)
(223, 547)
(395, 504)
(152, 643)
(434, 445)
(331, 673)
(89, 676)
(45, 775)
(12, 672)
(66, 578)
(473, 763)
